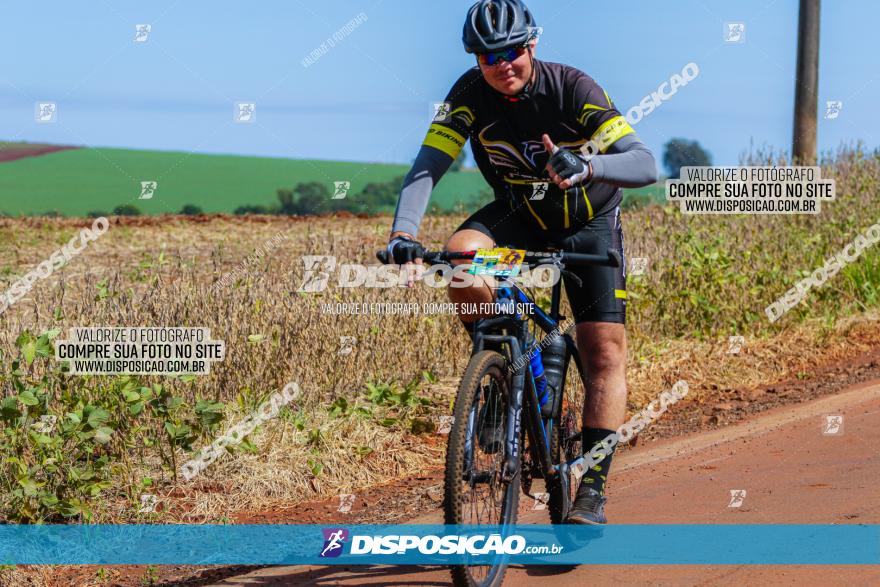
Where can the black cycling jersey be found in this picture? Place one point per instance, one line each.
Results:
(505, 135)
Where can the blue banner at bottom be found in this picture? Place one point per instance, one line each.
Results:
(689, 544)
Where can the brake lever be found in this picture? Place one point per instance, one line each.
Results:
(558, 264)
(575, 278)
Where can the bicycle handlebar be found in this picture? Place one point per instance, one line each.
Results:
(611, 258)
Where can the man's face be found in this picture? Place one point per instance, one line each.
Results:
(510, 77)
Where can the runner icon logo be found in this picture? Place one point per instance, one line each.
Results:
(142, 32)
(340, 189)
(334, 541)
(734, 32)
(441, 111)
(541, 500)
(445, 424)
(245, 112)
(46, 112)
(148, 188)
(638, 266)
(346, 501)
(317, 272)
(833, 425)
(346, 345)
(832, 109)
(734, 344)
(737, 497)
(539, 190)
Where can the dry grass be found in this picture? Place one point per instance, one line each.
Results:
(26, 576)
(708, 277)
(161, 274)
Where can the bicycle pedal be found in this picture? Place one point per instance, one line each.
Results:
(527, 494)
(525, 483)
(573, 438)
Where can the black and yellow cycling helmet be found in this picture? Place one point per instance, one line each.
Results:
(493, 25)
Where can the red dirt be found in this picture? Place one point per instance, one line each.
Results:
(792, 474)
(684, 488)
(14, 152)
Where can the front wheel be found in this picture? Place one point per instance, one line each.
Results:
(476, 491)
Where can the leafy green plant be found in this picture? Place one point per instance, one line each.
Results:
(315, 466)
(103, 289)
(382, 393)
(151, 575)
(67, 441)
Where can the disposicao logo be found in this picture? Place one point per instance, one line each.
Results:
(334, 541)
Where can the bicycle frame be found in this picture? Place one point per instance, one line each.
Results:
(523, 392)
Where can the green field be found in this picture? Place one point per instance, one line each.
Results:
(78, 181)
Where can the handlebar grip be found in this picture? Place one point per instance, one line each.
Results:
(430, 257)
(611, 258)
(614, 259)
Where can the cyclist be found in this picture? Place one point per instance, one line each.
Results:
(527, 121)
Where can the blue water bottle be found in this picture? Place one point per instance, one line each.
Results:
(538, 373)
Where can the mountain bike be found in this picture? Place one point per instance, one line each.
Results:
(483, 476)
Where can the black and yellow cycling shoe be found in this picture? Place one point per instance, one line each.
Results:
(588, 507)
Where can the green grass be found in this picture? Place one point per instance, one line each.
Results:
(78, 181)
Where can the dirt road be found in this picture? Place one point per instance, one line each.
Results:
(791, 470)
(15, 151)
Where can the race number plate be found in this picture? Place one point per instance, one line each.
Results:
(500, 262)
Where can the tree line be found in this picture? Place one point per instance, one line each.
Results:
(314, 197)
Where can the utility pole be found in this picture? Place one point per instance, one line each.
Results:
(806, 89)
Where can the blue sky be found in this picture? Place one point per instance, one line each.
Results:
(368, 98)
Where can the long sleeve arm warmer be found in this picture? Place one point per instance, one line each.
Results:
(627, 164)
(427, 169)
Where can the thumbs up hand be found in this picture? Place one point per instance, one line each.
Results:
(566, 169)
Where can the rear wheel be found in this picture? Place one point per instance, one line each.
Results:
(565, 444)
(476, 491)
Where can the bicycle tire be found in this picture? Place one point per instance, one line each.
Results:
(568, 423)
(470, 390)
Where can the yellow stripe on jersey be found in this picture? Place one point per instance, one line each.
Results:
(522, 181)
(620, 293)
(445, 139)
(611, 130)
(589, 206)
(588, 110)
(466, 113)
(565, 199)
(538, 218)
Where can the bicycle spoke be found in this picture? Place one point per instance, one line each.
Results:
(476, 491)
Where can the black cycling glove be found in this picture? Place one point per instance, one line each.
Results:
(403, 249)
(570, 166)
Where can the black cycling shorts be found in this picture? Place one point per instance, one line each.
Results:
(602, 298)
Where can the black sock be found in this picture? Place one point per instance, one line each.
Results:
(595, 476)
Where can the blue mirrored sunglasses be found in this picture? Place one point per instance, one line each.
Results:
(497, 57)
